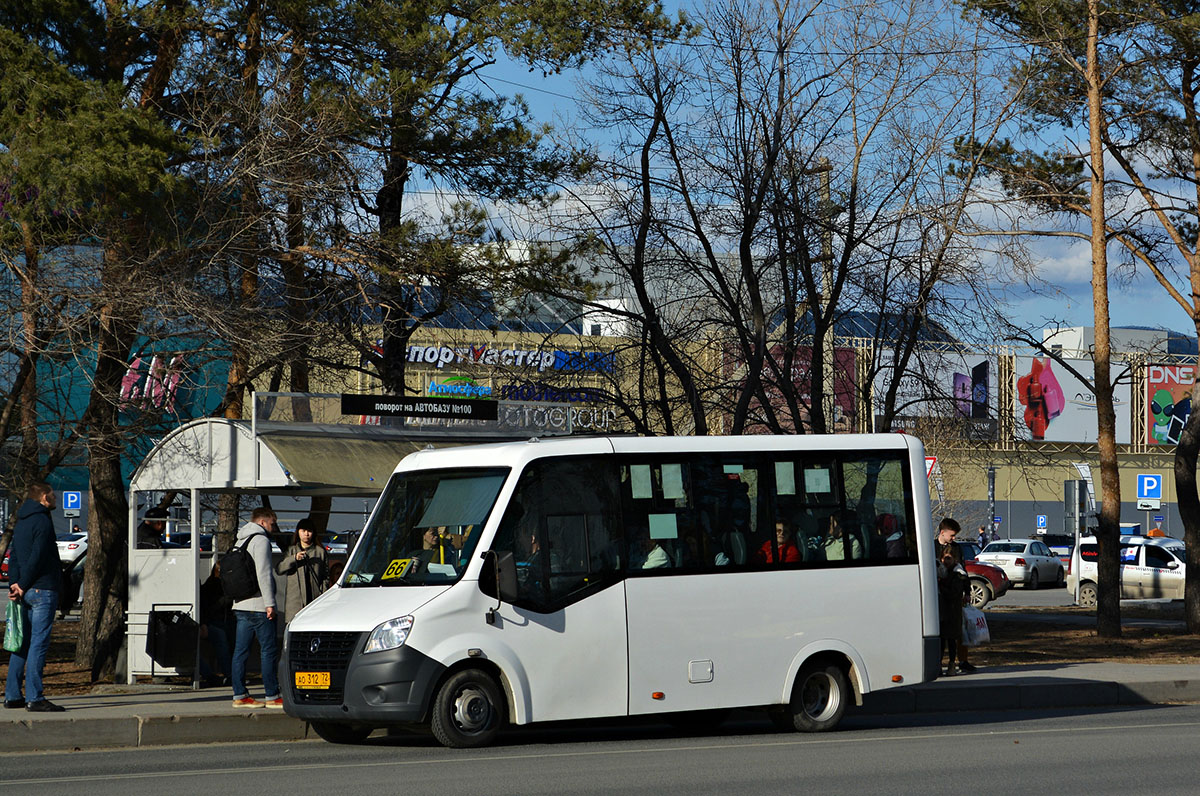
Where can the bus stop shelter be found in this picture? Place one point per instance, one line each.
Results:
(213, 456)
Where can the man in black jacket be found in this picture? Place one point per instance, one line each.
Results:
(34, 577)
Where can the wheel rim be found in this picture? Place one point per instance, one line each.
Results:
(472, 710)
(978, 594)
(819, 697)
(1087, 597)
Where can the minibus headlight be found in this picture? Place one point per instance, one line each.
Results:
(390, 635)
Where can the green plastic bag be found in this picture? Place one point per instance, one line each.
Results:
(14, 631)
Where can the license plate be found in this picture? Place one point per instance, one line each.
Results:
(312, 679)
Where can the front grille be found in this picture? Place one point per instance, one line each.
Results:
(332, 654)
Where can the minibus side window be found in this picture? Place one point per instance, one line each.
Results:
(563, 530)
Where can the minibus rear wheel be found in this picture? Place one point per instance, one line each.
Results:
(468, 711)
(819, 698)
(341, 733)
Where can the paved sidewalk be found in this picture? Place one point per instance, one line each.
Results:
(155, 715)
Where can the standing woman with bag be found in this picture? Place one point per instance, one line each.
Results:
(306, 567)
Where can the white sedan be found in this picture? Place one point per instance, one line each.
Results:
(1026, 561)
(71, 546)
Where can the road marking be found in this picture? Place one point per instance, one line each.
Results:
(821, 741)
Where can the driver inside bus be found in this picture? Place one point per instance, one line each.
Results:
(439, 543)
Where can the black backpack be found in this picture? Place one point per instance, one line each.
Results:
(239, 575)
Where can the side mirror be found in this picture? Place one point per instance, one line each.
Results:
(499, 576)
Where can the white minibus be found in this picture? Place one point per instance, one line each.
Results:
(592, 577)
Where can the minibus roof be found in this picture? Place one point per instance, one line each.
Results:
(514, 454)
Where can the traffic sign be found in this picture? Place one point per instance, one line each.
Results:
(1041, 522)
(997, 519)
(1159, 518)
(930, 461)
(72, 502)
(1149, 486)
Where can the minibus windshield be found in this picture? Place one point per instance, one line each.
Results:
(425, 527)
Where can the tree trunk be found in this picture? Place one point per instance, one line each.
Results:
(105, 586)
(1108, 622)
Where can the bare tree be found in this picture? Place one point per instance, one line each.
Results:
(785, 169)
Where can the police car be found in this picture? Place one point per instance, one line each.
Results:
(1152, 567)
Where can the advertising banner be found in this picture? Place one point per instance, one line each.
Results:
(1168, 401)
(940, 384)
(1053, 406)
(802, 373)
(945, 385)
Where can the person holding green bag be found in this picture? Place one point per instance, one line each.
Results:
(34, 578)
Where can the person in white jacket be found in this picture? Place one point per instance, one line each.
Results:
(255, 617)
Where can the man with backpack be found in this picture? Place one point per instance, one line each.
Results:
(246, 566)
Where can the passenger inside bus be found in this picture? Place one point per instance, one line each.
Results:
(842, 542)
(782, 549)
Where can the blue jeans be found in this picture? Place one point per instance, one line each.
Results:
(28, 663)
(251, 625)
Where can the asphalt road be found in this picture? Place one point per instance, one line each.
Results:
(1144, 750)
(1019, 596)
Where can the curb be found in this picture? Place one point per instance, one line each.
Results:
(65, 735)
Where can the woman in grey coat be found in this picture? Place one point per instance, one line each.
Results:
(306, 568)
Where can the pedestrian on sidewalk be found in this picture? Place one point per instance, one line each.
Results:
(34, 578)
(951, 582)
(255, 617)
(306, 567)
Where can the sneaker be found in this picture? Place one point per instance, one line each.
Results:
(950, 671)
(14, 703)
(966, 667)
(247, 702)
(44, 706)
(277, 702)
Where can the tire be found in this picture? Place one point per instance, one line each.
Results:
(1088, 596)
(1033, 580)
(1061, 581)
(981, 593)
(819, 697)
(468, 711)
(341, 733)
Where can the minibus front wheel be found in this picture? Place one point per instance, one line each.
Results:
(468, 711)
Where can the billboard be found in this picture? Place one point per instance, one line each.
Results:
(940, 384)
(1052, 405)
(1168, 401)
(801, 375)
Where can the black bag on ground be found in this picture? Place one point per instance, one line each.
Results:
(171, 639)
(239, 575)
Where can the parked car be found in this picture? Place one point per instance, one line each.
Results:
(71, 546)
(1025, 561)
(988, 582)
(1152, 567)
(339, 543)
